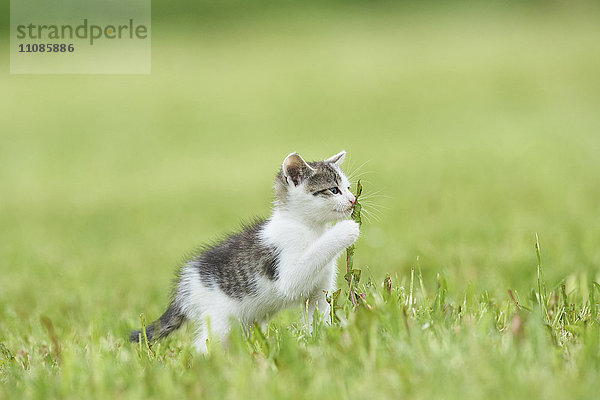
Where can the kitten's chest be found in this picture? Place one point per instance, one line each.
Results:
(290, 238)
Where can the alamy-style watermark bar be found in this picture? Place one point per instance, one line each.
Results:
(80, 37)
(83, 31)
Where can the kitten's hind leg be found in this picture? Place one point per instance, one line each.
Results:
(200, 343)
(318, 298)
(318, 301)
(215, 327)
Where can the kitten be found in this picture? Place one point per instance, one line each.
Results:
(272, 264)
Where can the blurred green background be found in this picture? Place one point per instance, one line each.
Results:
(477, 122)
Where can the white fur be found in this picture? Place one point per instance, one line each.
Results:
(310, 233)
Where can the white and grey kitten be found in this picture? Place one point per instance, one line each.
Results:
(272, 264)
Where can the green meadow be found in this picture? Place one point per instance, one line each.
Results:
(472, 127)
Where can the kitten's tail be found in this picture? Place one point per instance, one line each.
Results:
(162, 327)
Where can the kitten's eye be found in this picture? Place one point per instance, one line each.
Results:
(332, 190)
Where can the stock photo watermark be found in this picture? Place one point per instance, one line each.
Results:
(80, 37)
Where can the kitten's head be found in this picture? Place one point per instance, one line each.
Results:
(317, 190)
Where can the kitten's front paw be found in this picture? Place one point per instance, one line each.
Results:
(347, 231)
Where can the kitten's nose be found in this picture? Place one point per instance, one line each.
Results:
(353, 201)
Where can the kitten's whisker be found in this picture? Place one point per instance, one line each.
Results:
(373, 214)
(374, 196)
(374, 193)
(359, 171)
(353, 171)
(371, 209)
(373, 205)
(368, 216)
(372, 199)
(357, 175)
(369, 201)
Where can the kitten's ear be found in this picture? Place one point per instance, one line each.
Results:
(295, 169)
(338, 158)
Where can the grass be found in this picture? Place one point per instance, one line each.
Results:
(399, 340)
(478, 126)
